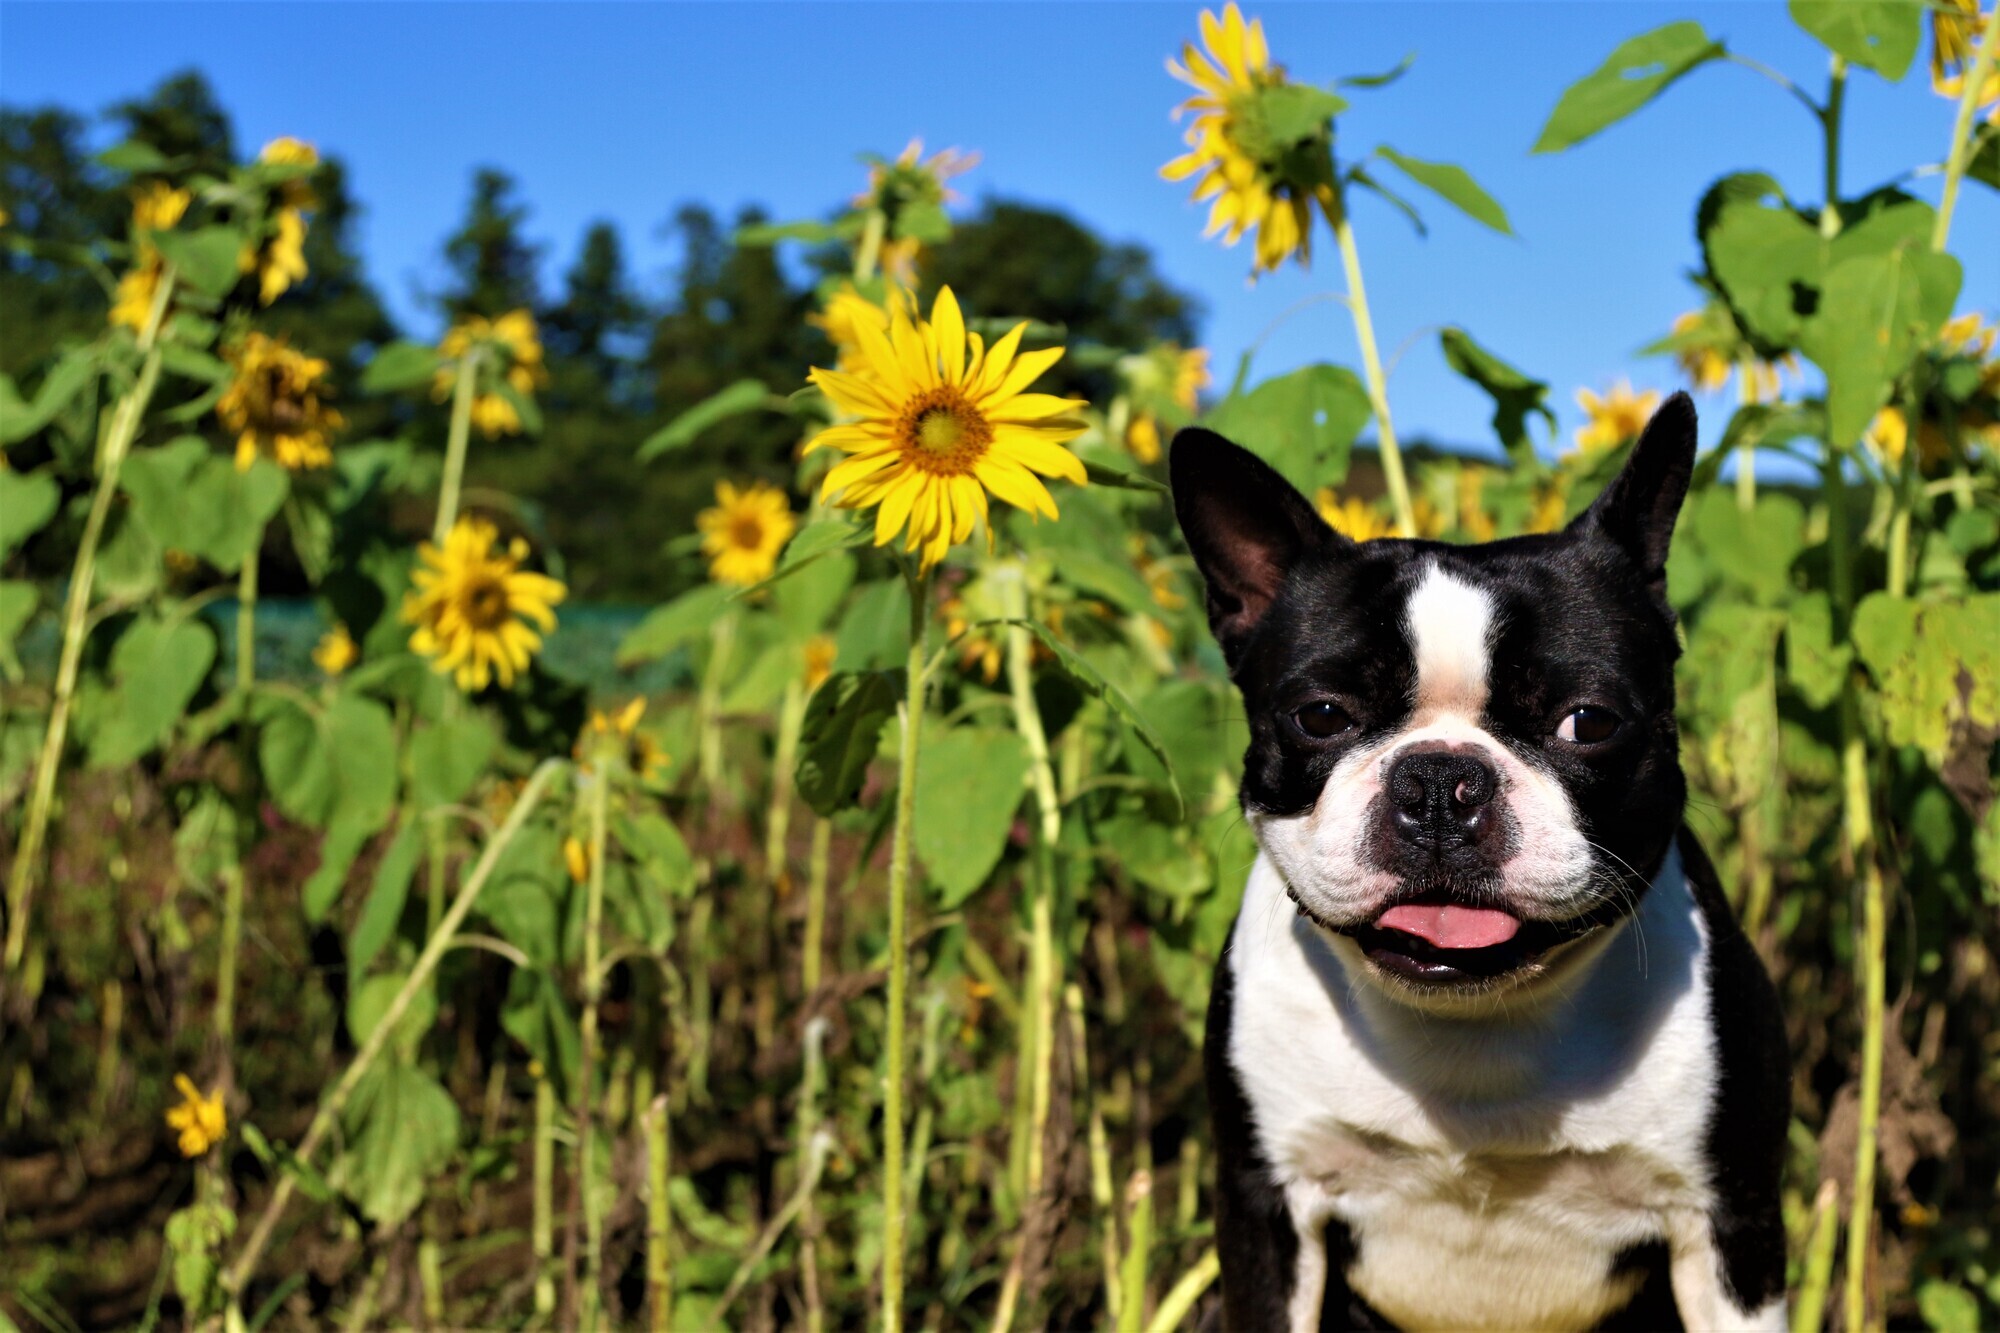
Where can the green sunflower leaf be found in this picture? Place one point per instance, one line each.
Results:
(1881, 35)
(746, 395)
(840, 734)
(1516, 395)
(1631, 76)
(27, 502)
(1454, 185)
(205, 258)
(400, 365)
(969, 784)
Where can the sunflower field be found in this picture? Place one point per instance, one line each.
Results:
(827, 946)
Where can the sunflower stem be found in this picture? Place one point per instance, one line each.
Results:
(869, 252)
(899, 963)
(659, 1219)
(543, 1233)
(1961, 130)
(1371, 363)
(246, 809)
(816, 876)
(76, 623)
(238, 1275)
(462, 394)
(587, 1043)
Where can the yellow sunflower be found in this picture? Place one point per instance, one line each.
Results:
(285, 151)
(1708, 365)
(1955, 28)
(1353, 517)
(846, 309)
(200, 1121)
(743, 533)
(1182, 373)
(942, 420)
(471, 605)
(516, 344)
(618, 735)
(274, 405)
(138, 287)
(156, 206)
(1248, 196)
(335, 651)
(1619, 415)
(821, 653)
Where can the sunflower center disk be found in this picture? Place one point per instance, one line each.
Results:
(943, 434)
(747, 534)
(486, 604)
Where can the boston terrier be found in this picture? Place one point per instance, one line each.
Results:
(1486, 1049)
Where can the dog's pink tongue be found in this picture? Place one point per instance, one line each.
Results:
(1450, 927)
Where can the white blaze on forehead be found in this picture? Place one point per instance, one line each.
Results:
(1450, 627)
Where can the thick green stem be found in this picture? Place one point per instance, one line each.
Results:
(543, 1233)
(1859, 824)
(869, 253)
(1808, 1313)
(76, 626)
(239, 1273)
(784, 761)
(808, 1131)
(587, 1043)
(1961, 130)
(659, 1219)
(462, 393)
(1371, 365)
(899, 962)
(708, 705)
(1139, 1226)
(1102, 1196)
(1829, 122)
(816, 876)
(1174, 1306)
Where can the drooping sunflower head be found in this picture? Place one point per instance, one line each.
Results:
(199, 1122)
(1617, 416)
(616, 736)
(743, 533)
(286, 151)
(511, 350)
(1709, 348)
(914, 179)
(472, 605)
(276, 405)
(941, 420)
(1256, 185)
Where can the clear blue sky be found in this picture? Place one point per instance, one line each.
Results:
(623, 111)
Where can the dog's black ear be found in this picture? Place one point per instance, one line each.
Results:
(1637, 510)
(1246, 526)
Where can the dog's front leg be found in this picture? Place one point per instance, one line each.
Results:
(1728, 1276)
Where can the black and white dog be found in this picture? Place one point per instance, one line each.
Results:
(1487, 1049)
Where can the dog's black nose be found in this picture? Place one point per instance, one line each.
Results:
(1441, 796)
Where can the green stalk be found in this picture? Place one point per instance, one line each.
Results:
(822, 847)
(544, 1225)
(1174, 1306)
(869, 252)
(1874, 979)
(899, 962)
(784, 762)
(1102, 1197)
(1335, 204)
(1746, 457)
(246, 809)
(238, 1276)
(462, 394)
(1139, 1211)
(708, 705)
(920, 1138)
(1829, 122)
(808, 1131)
(701, 993)
(1808, 1314)
(659, 1219)
(1961, 138)
(593, 995)
(76, 626)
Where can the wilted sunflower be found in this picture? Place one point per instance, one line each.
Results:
(1619, 415)
(743, 533)
(199, 1121)
(1955, 28)
(279, 258)
(1248, 195)
(335, 651)
(515, 341)
(1353, 518)
(156, 206)
(274, 405)
(912, 178)
(943, 419)
(471, 605)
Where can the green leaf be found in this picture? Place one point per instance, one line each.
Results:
(770, 233)
(337, 852)
(807, 599)
(1762, 252)
(536, 1016)
(969, 784)
(1156, 855)
(337, 766)
(842, 728)
(1876, 312)
(1360, 175)
(368, 1004)
(447, 758)
(194, 500)
(1752, 550)
(1515, 394)
(1815, 665)
(400, 365)
(297, 769)
(18, 600)
(402, 1129)
(1454, 185)
(1984, 163)
(156, 668)
(1303, 423)
(383, 910)
(1631, 76)
(205, 258)
(1291, 113)
(521, 902)
(665, 628)
(808, 545)
(65, 380)
(1100, 474)
(1091, 682)
(1947, 1307)
(27, 502)
(1381, 80)
(746, 395)
(1937, 663)
(136, 156)
(924, 221)
(1881, 35)
(524, 405)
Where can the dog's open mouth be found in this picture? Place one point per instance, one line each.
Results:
(1446, 944)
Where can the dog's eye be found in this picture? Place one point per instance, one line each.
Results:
(1587, 726)
(1322, 720)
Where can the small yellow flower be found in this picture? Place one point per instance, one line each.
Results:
(285, 151)
(1248, 195)
(1353, 517)
(471, 605)
(743, 533)
(336, 651)
(514, 340)
(158, 206)
(200, 1121)
(980, 648)
(1955, 26)
(618, 733)
(576, 856)
(1888, 438)
(1968, 335)
(138, 288)
(1708, 365)
(1473, 520)
(1142, 437)
(1619, 415)
(944, 419)
(821, 653)
(275, 405)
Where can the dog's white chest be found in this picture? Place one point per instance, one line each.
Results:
(1489, 1172)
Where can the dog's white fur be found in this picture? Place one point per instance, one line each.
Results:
(1492, 1154)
